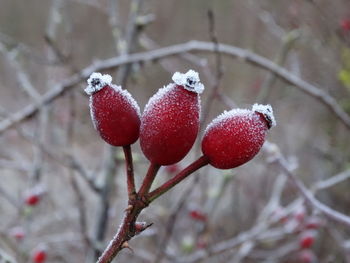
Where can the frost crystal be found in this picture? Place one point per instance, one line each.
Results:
(128, 96)
(189, 81)
(96, 82)
(227, 115)
(267, 111)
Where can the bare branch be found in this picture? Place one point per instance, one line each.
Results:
(191, 46)
(307, 194)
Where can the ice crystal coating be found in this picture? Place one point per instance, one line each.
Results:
(226, 115)
(126, 94)
(169, 124)
(96, 82)
(189, 81)
(267, 111)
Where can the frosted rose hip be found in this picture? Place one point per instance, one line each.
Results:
(236, 136)
(114, 112)
(170, 122)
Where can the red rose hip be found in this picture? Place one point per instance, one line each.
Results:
(236, 136)
(170, 121)
(39, 255)
(114, 112)
(307, 239)
(32, 199)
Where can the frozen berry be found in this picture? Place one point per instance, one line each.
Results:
(114, 112)
(39, 255)
(198, 215)
(170, 121)
(307, 239)
(236, 136)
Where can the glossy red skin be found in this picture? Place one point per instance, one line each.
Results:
(235, 140)
(169, 128)
(32, 199)
(114, 117)
(39, 256)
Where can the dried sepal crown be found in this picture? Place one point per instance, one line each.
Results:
(97, 81)
(189, 80)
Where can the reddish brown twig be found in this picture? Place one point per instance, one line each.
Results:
(147, 182)
(125, 233)
(129, 171)
(201, 161)
(140, 201)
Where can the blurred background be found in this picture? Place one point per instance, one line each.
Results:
(63, 190)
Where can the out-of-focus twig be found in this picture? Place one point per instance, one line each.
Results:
(307, 194)
(5, 258)
(218, 66)
(336, 179)
(192, 46)
(170, 225)
(288, 41)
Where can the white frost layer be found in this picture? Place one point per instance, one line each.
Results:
(96, 82)
(227, 115)
(267, 111)
(128, 96)
(189, 81)
(156, 97)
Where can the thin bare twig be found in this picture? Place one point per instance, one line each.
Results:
(191, 46)
(309, 197)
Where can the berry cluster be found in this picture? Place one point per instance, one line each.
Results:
(169, 124)
(167, 129)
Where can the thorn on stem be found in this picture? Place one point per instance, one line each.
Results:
(126, 245)
(129, 208)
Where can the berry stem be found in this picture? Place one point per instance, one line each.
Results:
(147, 182)
(129, 171)
(126, 231)
(196, 165)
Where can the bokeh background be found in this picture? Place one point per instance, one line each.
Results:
(79, 181)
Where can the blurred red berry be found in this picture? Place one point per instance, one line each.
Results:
(197, 215)
(170, 121)
(39, 256)
(202, 243)
(306, 256)
(18, 233)
(114, 112)
(307, 239)
(236, 136)
(32, 199)
(313, 222)
(345, 24)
